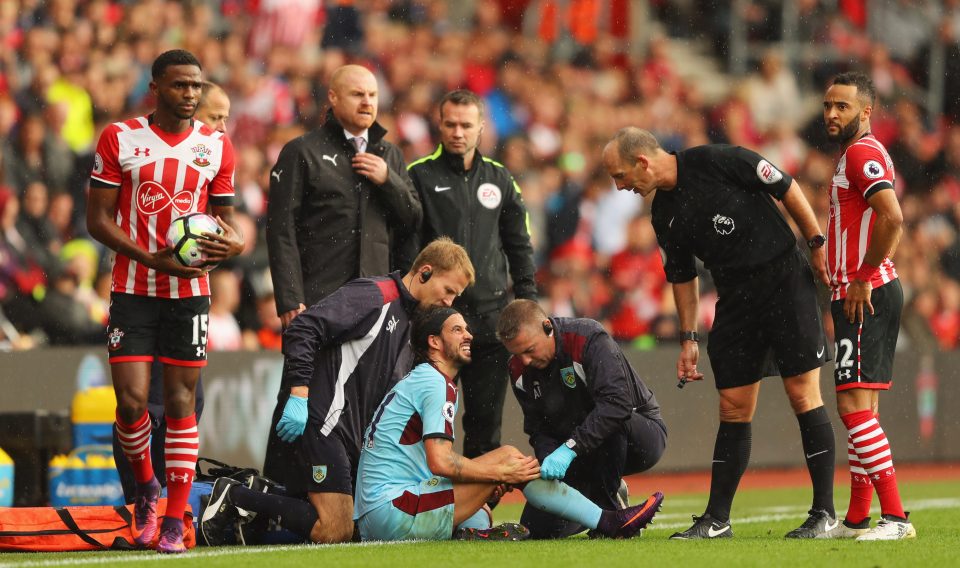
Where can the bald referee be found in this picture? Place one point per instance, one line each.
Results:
(716, 203)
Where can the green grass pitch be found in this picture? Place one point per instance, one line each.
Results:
(760, 519)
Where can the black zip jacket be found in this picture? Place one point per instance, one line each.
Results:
(587, 393)
(350, 348)
(326, 224)
(481, 210)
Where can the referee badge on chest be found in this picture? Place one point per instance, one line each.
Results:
(569, 377)
(319, 473)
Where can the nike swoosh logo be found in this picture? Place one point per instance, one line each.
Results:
(646, 506)
(830, 527)
(439, 189)
(820, 353)
(816, 454)
(670, 224)
(713, 533)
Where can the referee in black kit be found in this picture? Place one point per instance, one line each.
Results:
(715, 202)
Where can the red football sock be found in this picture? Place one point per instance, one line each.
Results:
(873, 451)
(135, 441)
(861, 490)
(180, 449)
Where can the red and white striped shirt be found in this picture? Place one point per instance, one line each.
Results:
(161, 176)
(864, 169)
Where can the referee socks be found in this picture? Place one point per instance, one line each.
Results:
(819, 449)
(731, 454)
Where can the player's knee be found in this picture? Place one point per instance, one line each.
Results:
(130, 408)
(735, 414)
(333, 532)
(181, 399)
(805, 403)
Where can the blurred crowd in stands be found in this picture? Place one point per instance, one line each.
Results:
(558, 78)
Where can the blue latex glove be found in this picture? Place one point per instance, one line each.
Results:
(294, 419)
(556, 464)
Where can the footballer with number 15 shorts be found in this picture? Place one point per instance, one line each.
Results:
(147, 172)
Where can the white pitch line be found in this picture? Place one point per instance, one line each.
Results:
(117, 558)
(920, 505)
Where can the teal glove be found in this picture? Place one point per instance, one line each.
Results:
(294, 419)
(556, 464)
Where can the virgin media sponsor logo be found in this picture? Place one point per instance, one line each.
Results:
(152, 198)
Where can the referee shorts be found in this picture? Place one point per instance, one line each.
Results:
(767, 323)
(865, 349)
(422, 512)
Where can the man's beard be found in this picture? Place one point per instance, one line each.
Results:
(456, 357)
(847, 131)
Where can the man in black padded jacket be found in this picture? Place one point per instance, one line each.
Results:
(340, 198)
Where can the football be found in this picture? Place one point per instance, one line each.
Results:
(184, 235)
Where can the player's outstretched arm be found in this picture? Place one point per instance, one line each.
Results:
(101, 204)
(443, 461)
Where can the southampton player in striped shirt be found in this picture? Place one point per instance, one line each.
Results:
(147, 172)
(863, 232)
(412, 485)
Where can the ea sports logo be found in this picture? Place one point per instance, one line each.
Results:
(767, 173)
(152, 198)
(489, 195)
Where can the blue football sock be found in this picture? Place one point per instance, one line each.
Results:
(560, 499)
(479, 520)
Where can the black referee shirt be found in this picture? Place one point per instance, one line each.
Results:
(722, 212)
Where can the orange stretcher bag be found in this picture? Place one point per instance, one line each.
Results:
(52, 529)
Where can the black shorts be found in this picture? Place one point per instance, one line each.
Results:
(767, 324)
(173, 330)
(865, 350)
(321, 464)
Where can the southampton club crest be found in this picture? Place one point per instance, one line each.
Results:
(203, 155)
(569, 377)
(113, 339)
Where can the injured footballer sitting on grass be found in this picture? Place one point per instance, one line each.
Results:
(411, 483)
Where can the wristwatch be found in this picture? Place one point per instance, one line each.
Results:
(690, 336)
(817, 241)
(571, 443)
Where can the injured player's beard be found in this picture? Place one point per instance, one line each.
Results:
(457, 355)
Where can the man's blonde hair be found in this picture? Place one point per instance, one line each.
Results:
(444, 255)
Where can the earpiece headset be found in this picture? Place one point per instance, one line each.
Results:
(425, 275)
(547, 328)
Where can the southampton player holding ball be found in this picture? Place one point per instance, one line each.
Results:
(863, 232)
(147, 172)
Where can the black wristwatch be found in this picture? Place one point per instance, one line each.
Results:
(689, 336)
(817, 241)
